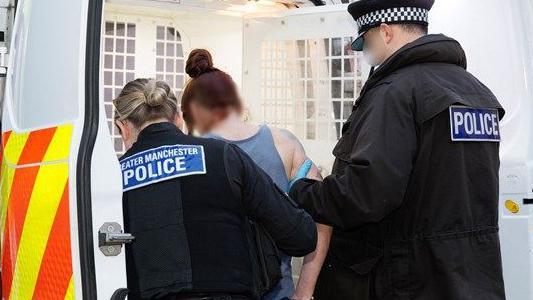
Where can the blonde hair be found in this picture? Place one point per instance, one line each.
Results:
(143, 100)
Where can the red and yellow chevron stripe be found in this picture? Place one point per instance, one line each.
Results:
(36, 254)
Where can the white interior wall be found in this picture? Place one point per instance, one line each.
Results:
(219, 33)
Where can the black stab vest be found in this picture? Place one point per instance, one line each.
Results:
(190, 232)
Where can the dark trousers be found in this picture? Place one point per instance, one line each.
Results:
(337, 282)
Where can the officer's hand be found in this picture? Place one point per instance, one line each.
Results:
(302, 172)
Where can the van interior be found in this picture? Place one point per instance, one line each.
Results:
(295, 69)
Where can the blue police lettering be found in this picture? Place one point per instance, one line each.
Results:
(162, 163)
(474, 124)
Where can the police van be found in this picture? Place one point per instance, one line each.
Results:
(60, 187)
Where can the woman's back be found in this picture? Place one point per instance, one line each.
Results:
(211, 105)
(262, 149)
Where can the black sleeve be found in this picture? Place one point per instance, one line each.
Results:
(380, 163)
(293, 230)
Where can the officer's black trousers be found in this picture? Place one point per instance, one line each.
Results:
(339, 282)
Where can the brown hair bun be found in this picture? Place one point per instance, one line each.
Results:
(198, 63)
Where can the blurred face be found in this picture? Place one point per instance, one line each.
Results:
(204, 118)
(377, 44)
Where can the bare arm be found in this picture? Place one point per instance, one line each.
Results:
(292, 154)
(313, 262)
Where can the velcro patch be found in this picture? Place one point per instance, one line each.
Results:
(162, 163)
(468, 124)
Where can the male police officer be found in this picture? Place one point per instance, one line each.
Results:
(414, 191)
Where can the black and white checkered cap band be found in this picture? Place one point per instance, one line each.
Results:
(393, 15)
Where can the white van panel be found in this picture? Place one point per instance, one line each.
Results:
(45, 88)
(43, 65)
(106, 194)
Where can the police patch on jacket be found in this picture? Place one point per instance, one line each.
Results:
(162, 163)
(468, 124)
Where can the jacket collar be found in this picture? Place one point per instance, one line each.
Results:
(163, 127)
(433, 48)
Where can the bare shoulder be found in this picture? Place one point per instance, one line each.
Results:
(295, 151)
(287, 139)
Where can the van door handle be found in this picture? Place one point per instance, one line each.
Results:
(118, 238)
(111, 238)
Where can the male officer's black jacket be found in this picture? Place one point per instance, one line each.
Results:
(414, 212)
(191, 232)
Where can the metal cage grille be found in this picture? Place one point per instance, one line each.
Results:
(118, 69)
(170, 63)
(309, 86)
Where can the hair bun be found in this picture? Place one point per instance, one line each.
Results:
(156, 93)
(198, 63)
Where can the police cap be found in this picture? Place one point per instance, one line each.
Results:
(372, 13)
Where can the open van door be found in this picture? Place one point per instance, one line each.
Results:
(60, 179)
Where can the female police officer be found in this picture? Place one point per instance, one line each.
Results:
(188, 200)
